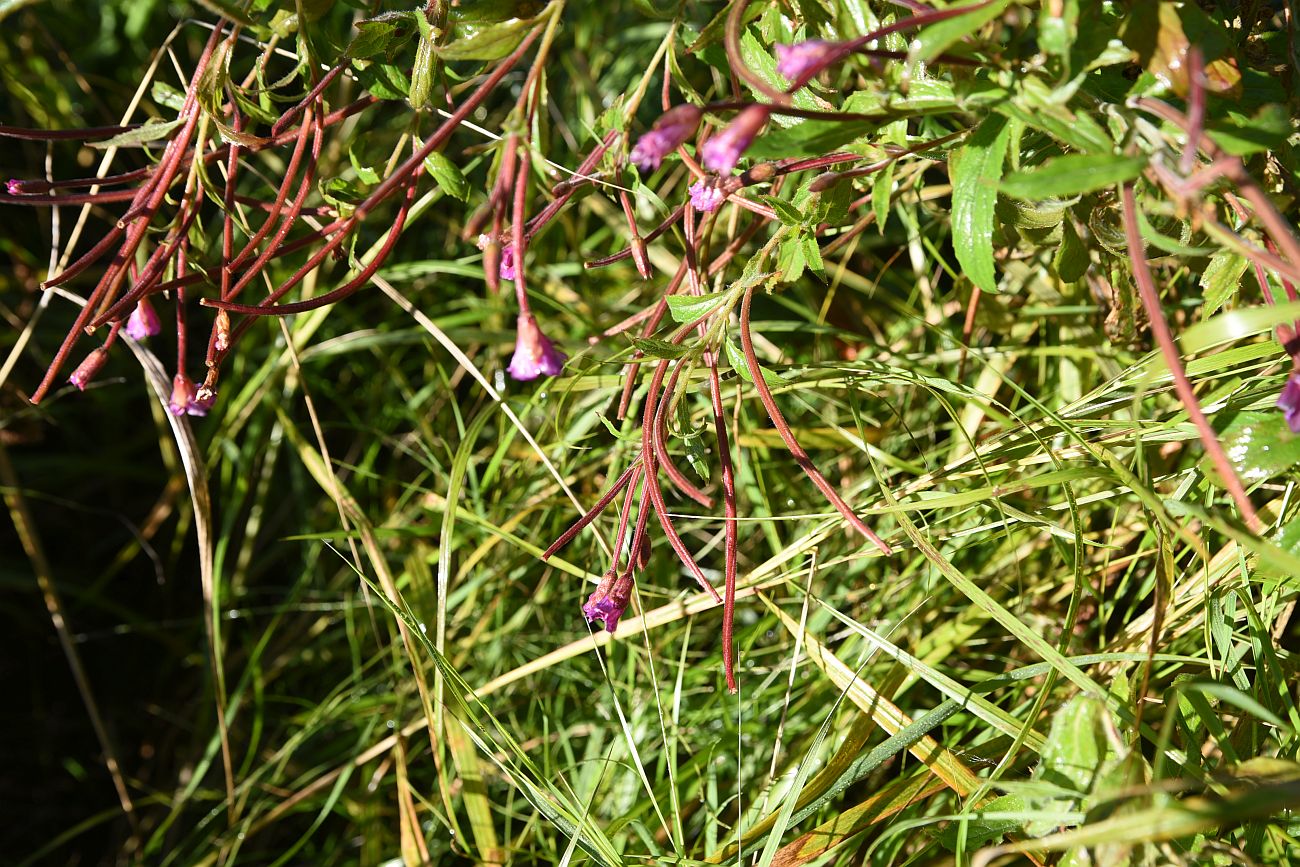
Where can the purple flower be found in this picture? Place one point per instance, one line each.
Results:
(804, 59)
(185, 400)
(508, 262)
(672, 128)
(14, 186)
(706, 196)
(143, 321)
(722, 152)
(1289, 402)
(88, 368)
(609, 600)
(534, 355)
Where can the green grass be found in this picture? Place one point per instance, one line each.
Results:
(314, 627)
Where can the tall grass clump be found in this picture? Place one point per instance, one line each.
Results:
(766, 432)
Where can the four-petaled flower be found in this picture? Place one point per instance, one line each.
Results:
(803, 59)
(143, 321)
(706, 196)
(722, 152)
(1289, 402)
(672, 128)
(534, 355)
(609, 600)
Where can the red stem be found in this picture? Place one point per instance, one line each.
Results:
(788, 437)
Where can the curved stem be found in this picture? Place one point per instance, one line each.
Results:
(1169, 349)
(788, 437)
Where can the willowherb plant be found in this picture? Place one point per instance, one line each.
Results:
(191, 227)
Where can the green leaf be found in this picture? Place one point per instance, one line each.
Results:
(1236, 324)
(688, 308)
(385, 81)
(980, 830)
(736, 358)
(166, 96)
(1260, 446)
(790, 260)
(365, 174)
(939, 37)
(1241, 135)
(976, 170)
(809, 138)
(787, 213)
(373, 37)
(150, 131)
(1076, 746)
(1221, 279)
(487, 42)
(1072, 175)
(447, 175)
(1071, 260)
(812, 256)
(656, 348)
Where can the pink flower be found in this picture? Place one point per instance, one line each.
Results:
(508, 262)
(672, 129)
(88, 368)
(185, 400)
(14, 186)
(722, 152)
(1289, 402)
(609, 600)
(706, 196)
(804, 59)
(143, 321)
(534, 355)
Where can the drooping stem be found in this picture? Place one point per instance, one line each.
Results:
(1169, 349)
(787, 435)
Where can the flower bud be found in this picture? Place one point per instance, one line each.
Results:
(722, 152)
(89, 368)
(669, 132)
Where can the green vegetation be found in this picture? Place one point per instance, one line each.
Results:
(947, 427)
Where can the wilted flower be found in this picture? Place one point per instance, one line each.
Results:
(706, 196)
(534, 355)
(143, 321)
(1289, 402)
(609, 600)
(88, 368)
(672, 128)
(798, 60)
(722, 152)
(204, 397)
(221, 332)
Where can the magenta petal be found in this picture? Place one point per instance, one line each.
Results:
(1289, 402)
(535, 355)
(705, 197)
(143, 321)
(669, 132)
(722, 152)
(803, 58)
(507, 271)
